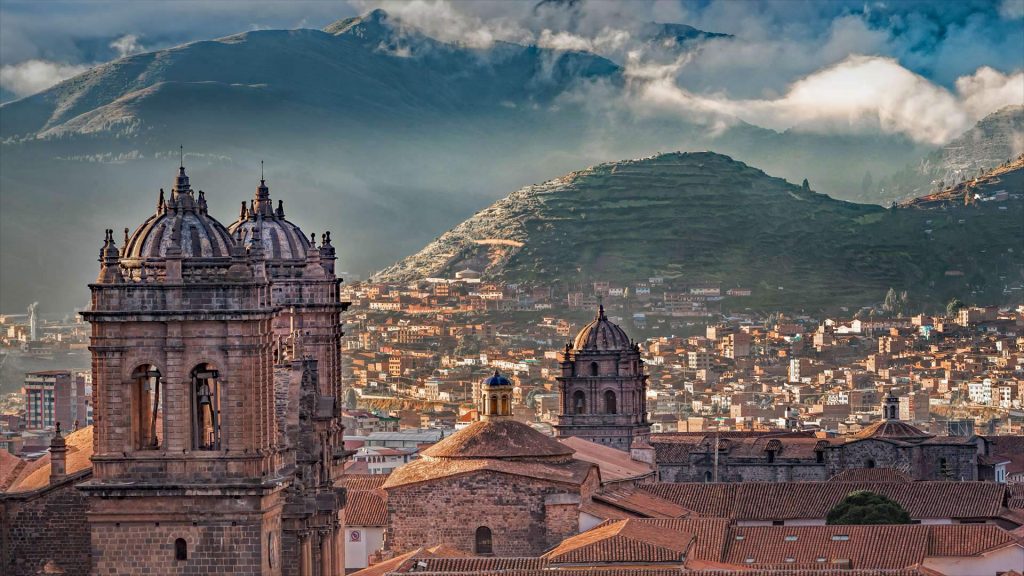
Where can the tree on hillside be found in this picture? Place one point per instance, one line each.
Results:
(806, 185)
(864, 507)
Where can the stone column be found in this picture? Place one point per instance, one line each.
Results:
(339, 550)
(305, 555)
(326, 565)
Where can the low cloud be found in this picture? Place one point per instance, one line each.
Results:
(1012, 9)
(31, 76)
(861, 94)
(127, 45)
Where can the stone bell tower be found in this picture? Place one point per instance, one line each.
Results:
(603, 387)
(187, 475)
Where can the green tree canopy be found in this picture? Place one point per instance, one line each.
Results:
(864, 507)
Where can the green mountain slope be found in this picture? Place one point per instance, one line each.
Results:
(706, 217)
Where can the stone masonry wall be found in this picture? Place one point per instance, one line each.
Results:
(449, 510)
(47, 525)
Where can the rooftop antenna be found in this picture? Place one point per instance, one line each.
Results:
(181, 156)
(261, 170)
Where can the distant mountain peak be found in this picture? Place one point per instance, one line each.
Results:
(374, 21)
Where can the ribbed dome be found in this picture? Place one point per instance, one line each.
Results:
(601, 334)
(497, 381)
(281, 239)
(181, 220)
(893, 430)
(499, 439)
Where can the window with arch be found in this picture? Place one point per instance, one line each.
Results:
(594, 369)
(870, 463)
(146, 407)
(180, 549)
(892, 412)
(707, 476)
(484, 544)
(609, 402)
(505, 409)
(579, 402)
(205, 408)
(493, 409)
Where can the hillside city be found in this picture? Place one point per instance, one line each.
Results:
(518, 288)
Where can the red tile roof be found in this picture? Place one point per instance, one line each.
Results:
(361, 481)
(615, 465)
(366, 508)
(37, 473)
(624, 541)
(871, 475)
(506, 439)
(813, 500)
(893, 430)
(426, 469)
(877, 547)
(640, 503)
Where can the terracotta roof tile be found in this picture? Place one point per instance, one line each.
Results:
(499, 439)
(640, 503)
(426, 469)
(893, 430)
(967, 539)
(875, 547)
(615, 464)
(37, 474)
(356, 482)
(366, 508)
(623, 541)
(10, 468)
(871, 475)
(805, 500)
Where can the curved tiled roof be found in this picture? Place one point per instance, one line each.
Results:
(499, 439)
(37, 474)
(601, 335)
(623, 541)
(573, 472)
(804, 500)
(893, 430)
(871, 475)
(359, 482)
(366, 508)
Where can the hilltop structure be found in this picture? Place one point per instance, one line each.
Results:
(216, 372)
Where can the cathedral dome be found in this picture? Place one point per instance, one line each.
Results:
(893, 430)
(499, 439)
(497, 381)
(181, 220)
(281, 239)
(602, 335)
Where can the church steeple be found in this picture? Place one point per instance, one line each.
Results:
(603, 387)
(891, 407)
(261, 203)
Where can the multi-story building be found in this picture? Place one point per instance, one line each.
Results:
(53, 396)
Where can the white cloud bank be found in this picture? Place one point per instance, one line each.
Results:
(31, 76)
(859, 94)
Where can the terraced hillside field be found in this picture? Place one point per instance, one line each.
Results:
(706, 217)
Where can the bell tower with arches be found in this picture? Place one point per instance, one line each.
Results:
(201, 424)
(603, 387)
